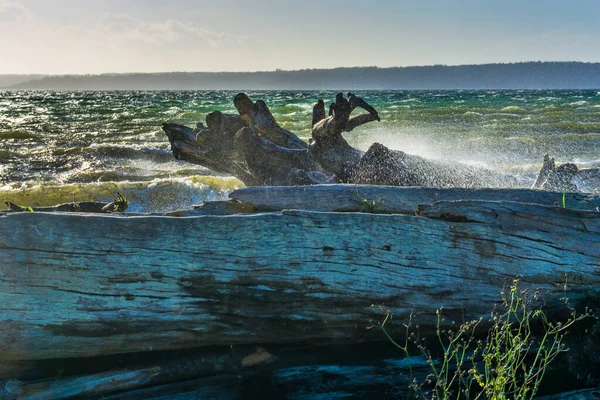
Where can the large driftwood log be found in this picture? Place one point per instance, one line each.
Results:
(390, 199)
(253, 147)
(556, 178)
(375, 199)
(250, 146)
(373, 369)
(120, 204)
(382, 166)
(139, 283)
(79, 387)
(585, 394)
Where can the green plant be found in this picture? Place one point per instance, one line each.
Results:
(119, 205)
(564, 198)
(509, 363)
(368, 206)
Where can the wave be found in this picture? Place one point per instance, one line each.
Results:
(412, 100)
(129, 151)
(582, 127)
(512, 110)
(505, 116)
(156, 196)
(578, 103)
(17, 134)
(7, 155)
(115, 137)
(190, 115)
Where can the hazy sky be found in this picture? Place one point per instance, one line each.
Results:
(95, 36)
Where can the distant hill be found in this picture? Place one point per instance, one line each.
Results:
(528, 75)
(7, 81)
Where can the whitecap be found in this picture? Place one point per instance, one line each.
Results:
(578, 103)
(512, 109)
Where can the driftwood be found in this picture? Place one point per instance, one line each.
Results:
(393, 200)
(585, 394)
(375, 199)
(250, 146)
(154, 374)
(124, 277)
(371, 370)
(79, 387)
(314, 372)
(264, 274)
(120, 204)
(254, 148)
(556, 178)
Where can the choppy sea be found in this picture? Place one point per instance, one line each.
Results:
(59, 147)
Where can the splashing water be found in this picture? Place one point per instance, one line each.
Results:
(60, 146)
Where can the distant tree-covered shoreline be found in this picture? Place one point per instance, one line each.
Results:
(524, 75)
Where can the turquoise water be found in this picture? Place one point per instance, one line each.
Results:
(66, 146)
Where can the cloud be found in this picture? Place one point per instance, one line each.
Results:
(11, 12)
(119, 43)
(170, 32)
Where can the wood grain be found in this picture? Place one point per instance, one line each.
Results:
(84, 285)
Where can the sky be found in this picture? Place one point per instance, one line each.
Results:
(115, 36)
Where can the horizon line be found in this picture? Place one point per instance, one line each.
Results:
(295, 70)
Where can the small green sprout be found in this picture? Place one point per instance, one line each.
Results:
(368, 206)
(119, 205)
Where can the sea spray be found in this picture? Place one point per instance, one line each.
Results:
(114, 138)
(156, 196)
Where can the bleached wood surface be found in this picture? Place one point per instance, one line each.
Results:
(84, 285)
(394, 199)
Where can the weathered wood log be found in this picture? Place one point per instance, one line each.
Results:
(329, 147)
(78, 387)
(382, 166)
(11, 389)
(211, 147)
(254, 148)
(263, 153)
(587, 180)
(556, 178)
(219, 387)
(585, 394)
(259, 118)
(373, 369)
(548, 166)
(100, 384)
(274, 165)
(215, 208)
(135, 283)
(312, 382)
(393, 200)
(118, 205)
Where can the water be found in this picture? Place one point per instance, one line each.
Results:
(76, 146)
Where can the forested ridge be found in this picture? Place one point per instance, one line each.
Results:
(525, 75)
